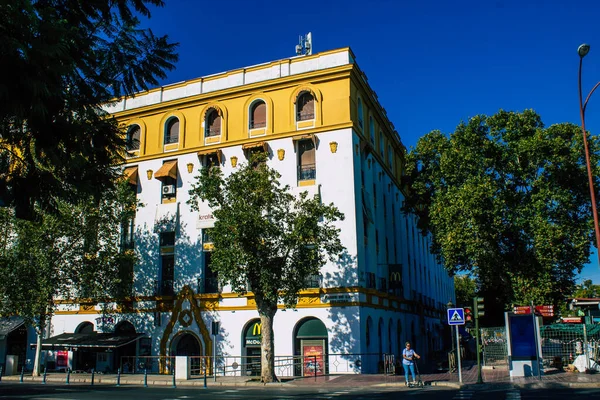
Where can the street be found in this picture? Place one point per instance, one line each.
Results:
(46, 392)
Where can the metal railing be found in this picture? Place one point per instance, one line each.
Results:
(304, 116)
(494, 346)
(256, 125)
(307, 172)
(563, 344)
(147, 364)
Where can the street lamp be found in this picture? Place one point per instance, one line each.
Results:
(582, 51)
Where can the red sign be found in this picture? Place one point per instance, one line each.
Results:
(62, 359)
(571, 320)
(313, 360)
(544, 311)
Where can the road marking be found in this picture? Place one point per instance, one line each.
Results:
(464, 394)
(513, 395)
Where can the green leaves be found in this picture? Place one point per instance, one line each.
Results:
(264, 235)
(506, 199)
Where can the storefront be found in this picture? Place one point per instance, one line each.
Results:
(310, 344)
(251, 348)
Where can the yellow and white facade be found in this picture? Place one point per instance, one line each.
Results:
(325, 132)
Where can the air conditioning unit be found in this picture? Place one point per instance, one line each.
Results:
(168, 189)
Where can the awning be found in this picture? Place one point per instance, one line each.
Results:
(89, 340)
(168, 170)
(131, 174)
(255, 145)
(209, 152)
(9, 324)
(312, 138)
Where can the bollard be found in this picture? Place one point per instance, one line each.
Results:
(93, 372)
(145, 377)
(174, 383)
(68, 376)
(44, 378)
(119, 377)
(22, 374)
(205, 376)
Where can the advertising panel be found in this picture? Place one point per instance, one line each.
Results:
(313, 352)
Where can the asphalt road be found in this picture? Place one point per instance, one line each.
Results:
(55, 392)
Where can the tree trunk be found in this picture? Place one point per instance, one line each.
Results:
(38, 348)
(267, 359)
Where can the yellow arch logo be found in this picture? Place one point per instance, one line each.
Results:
(256, 329)
(395, 277)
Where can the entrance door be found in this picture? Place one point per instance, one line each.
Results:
(253, 363)
(188, 345)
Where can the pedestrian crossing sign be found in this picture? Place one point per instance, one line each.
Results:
(456, 316)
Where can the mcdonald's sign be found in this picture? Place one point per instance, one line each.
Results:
(256, 329)
(395, 276)
(253, 334)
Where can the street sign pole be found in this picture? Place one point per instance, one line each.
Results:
(458, 355)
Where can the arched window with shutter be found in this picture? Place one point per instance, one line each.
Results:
(212, 123)
(133, 138)
(258, 115)
(172, 131)
(305, 107)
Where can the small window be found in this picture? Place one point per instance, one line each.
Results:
(372, 129)
(167, 174)
(211, 160)
(305, 107)
(381, 144)
(172, 131)
(359, 110)
(212, 123)
(306, 160)
(258, 115)
(133, 138)
(390, 156)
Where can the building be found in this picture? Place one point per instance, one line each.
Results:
(325, 132)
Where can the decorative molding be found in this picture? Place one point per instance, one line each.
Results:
(234, 160)
(149, 174)
(333, 147)
(281, 154)
(190, 167)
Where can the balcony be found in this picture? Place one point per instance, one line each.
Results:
(307, 172)
(257, 125)
(304, 116)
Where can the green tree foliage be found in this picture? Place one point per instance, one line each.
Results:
(266, 238)
(72, 253)
(507, 200)
(61, 61)
(587, 290)
(465, 289)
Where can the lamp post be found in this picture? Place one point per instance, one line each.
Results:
(582, 51)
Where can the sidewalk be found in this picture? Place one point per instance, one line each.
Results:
(493, 378)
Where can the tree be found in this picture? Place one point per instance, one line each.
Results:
(507, 200)
(74, 252)
(465, 289)
(62, 61)
(586, 289)
(265, 239)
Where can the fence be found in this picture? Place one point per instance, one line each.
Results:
(147, 364)
(563, 343)
(493, 342)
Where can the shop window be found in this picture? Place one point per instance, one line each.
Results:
(133, 138)
(172, 131)
(305, 107)
(258, 115)
(211, 278)
(167, 263)
(212, 123)
(306, 160)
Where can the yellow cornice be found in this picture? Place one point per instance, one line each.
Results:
(318, 76)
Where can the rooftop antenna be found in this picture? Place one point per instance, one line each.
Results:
(304, 46)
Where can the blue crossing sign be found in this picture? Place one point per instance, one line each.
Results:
(456, 316)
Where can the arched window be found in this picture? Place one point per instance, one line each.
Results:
(125, 328)
(172, 131)
(305, 107)
(359, 110)
(212, 123)
(85, 327)
(133, 138)
(258, 115)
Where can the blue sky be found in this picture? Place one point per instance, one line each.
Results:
(432, 63)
